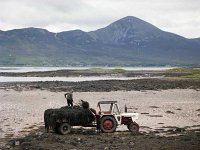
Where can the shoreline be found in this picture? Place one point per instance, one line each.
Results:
(104, 85)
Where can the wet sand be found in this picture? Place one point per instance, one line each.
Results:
(22, 111)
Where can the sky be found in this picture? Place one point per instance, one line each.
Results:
(178, 16)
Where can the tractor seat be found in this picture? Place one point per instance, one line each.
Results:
(107, 112)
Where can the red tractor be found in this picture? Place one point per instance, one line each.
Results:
(111, 117)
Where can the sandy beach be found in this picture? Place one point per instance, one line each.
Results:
(21, 112)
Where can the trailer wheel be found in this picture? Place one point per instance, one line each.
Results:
(133, 127)
(64, 128)
(108, 124)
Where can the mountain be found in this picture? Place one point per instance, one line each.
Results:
(129, 41)
(128, 30)
(196, 40)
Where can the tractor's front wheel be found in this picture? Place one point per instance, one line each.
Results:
(108, 124)
(133, 127)
(64, 128)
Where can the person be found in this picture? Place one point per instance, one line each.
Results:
(126, 109)
(98, 122)
(69, 97)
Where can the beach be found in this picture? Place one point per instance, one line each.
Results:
(168, 104)
(21, 112)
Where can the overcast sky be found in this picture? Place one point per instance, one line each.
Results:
(178, 16)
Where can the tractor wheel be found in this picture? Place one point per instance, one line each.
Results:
(133, 127)
(64, 128)
(108, 124)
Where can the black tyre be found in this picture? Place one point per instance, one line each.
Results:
(64, 128)
(108, 124)
(133, 127)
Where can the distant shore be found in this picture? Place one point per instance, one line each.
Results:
(179, 78)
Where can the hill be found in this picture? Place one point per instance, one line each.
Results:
(129, 41)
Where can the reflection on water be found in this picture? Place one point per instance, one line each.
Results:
(66, 79)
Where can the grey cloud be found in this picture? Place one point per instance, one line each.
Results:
(179, 16)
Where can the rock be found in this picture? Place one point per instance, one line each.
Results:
(7, 146)
(132, 144)
(38, 133)
(105, 148)
(123, 138)
(17, 143)
(79, 140)
(179, 129)
(26, 145)
(11, 142)
(74, 143)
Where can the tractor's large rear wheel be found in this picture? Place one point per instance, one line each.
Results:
(133, 127)
(108, 124)
(64, 128)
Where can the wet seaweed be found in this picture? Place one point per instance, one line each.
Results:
(76, 115)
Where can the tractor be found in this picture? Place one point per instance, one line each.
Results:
(61, 120)
(111, 117)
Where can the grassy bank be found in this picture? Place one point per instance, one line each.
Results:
(186, 73)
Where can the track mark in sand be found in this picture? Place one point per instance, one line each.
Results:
(155, 115)
(145, 127)
(144, 113)
(160, 123)
(159, 129)
(9, 135)
(133, 108)
(169, 112)
(153, 106)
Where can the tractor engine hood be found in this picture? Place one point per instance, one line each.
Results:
(134, 116)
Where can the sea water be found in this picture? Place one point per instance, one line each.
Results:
(35, 69)
(71, 79)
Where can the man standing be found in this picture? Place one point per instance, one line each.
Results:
(69, 97)
(98, 122)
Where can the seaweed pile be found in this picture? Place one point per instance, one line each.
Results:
(78, 115)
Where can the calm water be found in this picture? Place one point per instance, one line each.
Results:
(33, 69)
(69, 79)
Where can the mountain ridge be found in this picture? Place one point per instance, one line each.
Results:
(128, 41)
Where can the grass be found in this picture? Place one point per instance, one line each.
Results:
(118, 70)
(185, 70)
(194, 73)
